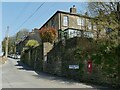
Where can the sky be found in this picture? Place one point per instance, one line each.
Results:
(0, 27)
(13, 14)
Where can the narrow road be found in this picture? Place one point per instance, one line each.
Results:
(16, 75)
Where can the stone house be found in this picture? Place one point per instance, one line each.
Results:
(68, 25)
(71, 24)
(34, 35)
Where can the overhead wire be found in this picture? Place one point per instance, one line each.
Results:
(31, 15)
(20, 13)
(45, 11)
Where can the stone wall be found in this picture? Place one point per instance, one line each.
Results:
(75, 51)
(53, 63)
(60, 57)
(33, 58)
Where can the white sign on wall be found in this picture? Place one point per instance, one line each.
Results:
(73, 66)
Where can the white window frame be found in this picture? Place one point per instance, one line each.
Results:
(88, 34)
(89, 25)
(65, 20)
(94, 27)
(79, 21)
(82, 21)
(73, 33)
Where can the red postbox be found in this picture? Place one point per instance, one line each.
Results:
(89, 66)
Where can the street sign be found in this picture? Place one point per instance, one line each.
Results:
(73, 66)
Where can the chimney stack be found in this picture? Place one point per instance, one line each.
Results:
(73, 10)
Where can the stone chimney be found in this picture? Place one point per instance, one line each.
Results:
(73, 10)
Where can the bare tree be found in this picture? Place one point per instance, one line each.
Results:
(107, 17)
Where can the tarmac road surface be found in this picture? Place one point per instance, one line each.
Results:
(16, 75)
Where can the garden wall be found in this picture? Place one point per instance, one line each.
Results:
(77, 51)
(33, 58)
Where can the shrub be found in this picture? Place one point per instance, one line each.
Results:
(32, 43)
(48, 34)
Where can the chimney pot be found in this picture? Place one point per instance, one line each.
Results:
(73, 10)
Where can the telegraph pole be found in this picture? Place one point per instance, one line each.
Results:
(6, 45)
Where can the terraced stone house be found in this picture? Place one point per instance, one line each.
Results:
(71, 24)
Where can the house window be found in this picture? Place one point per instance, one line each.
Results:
(89, 25)
(79, 21)
(73, 33)
(88, 34)
(52, 23)
(83, 22)
(65, 21)
(94, 27)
